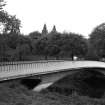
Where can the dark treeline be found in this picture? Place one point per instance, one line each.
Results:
(52, 45)
(15, 46)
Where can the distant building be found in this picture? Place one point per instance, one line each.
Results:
(44, 30)
(54, 30)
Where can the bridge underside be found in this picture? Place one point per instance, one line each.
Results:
(39, 82)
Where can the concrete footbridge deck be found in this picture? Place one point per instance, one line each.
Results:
(13, 70)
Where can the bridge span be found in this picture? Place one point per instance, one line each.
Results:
(46, 71)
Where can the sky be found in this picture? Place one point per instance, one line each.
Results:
(79, 16)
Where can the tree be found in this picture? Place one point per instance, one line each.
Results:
(74, 45)
(22, 51)
(3, 48)
(54, 44)
(23, 47)
(2, 3)
(52, 50)
(41, 47)
(34, 35)
(11, 40)
(97, 41)
(9, 23)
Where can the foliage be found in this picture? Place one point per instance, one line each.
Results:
(53, 45)
(14, 93)
(2, 3)
(11, 40)
(22, 51)
(56, 45)
(46, 44)
(74, 45)
(40, 47)
(3, 47)
(97, 41)
(9, 23)
(34, 35)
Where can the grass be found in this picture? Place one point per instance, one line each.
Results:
(13, 93)
(85, 83)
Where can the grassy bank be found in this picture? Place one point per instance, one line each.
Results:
(71, 90)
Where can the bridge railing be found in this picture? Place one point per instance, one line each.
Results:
(27, 65)
(29, 68)
(28, 62)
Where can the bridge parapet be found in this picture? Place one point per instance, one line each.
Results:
(29, 66)
(25, 68)
(29, 62)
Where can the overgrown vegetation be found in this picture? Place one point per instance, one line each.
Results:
(86, 83)
(14, 93)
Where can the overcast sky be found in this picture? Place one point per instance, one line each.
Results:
(79, 16)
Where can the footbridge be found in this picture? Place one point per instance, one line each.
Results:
(45, 72)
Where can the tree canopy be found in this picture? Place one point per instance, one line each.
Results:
(9, 23)
(97, 41)
(2, 4)
(48, 44)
